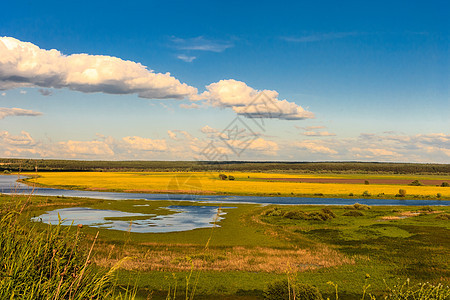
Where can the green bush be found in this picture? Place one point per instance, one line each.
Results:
(353, 213)
(366, 182)
(357, 206)
(230, 177)
(366, 194)
(223, 176)
(438, 195)
(329, 212)
(443, 217)
(416, 183)
(283, 290)
(296, 215)
(401, 193)
(445, 184)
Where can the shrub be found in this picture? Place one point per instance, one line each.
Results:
(360, 206)
(445, 184)
(401, 193)
(416, 183)
(351, 194)
(273, 212)
(223, 176)
(353, 213)
(443, 217)
(296, 215)
(329, 212)
(366, 182)
(283, 290)
(230, 177)
(438, 195)
(366, 194)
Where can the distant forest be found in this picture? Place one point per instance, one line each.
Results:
(26, 165)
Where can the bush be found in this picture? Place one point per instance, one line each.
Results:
(329, 212)
(358, 206)
(401, 193)
(366, 182)
(438, 195)
(223, 176)
(443, 217)
(445, 184)
(353, 213)
(351, 194)
(230, 177)
(296, 215)
(273, 212)
(416, 183)
(366, 194)
(283, 290)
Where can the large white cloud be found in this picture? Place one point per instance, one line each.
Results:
(24, 64)
(252, 103)
(9, 112)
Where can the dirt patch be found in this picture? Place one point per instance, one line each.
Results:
(356, 181)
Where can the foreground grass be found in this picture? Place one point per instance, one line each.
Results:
(244, 184)
(47, 264)
(252, 248)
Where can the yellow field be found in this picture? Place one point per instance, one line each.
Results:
(245, 183)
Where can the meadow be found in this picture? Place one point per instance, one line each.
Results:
(248, 183)
(351, 247)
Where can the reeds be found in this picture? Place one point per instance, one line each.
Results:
(47, 263)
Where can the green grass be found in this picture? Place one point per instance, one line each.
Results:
(391, 251)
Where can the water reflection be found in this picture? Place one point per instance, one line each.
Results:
(183, 218)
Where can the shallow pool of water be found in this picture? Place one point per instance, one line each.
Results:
(181, 218)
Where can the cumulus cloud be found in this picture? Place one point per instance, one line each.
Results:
(318, 133)
(200, 43)
(172, 135)
(10, 112)
(144, 144)
(315, 147)
(45, 92)
(186, 58)
(252, 103)
(24, 64)
(82, 149)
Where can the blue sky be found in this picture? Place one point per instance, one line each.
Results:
(362, 81)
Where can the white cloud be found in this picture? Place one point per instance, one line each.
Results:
(200, 44)
(208, 129)
(23, 92)
(172, 135)
(145, 144)
(318, 133)
(24, 64)
(3, 94)
(24, 139)
(252, 103)
(314, 146)
(10, 112)
(186, 58)
(82, 149)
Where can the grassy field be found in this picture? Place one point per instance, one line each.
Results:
(245, 183)
(255, 245)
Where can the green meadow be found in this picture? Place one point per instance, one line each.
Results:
(350, 247)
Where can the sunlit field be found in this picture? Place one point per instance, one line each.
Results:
(263, 184)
